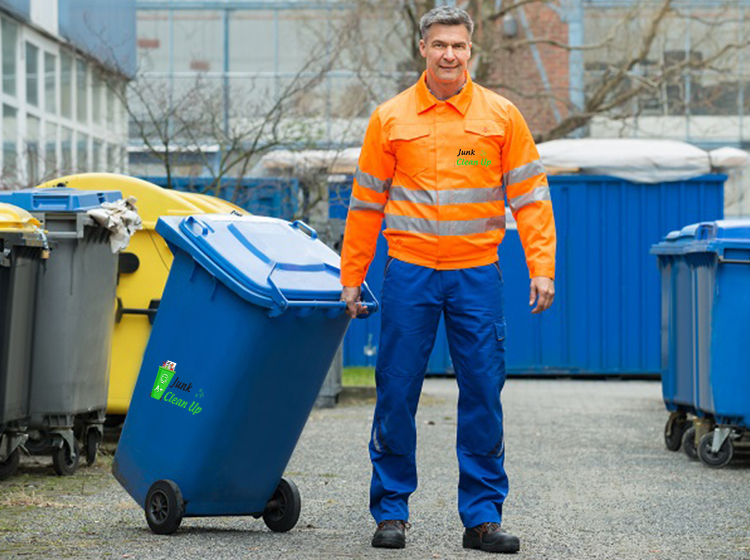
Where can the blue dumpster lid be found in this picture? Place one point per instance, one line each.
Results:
(711, 237)
(264, 260)
(58, 199)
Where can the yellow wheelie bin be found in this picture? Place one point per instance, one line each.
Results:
(211, 204)
(142, 273)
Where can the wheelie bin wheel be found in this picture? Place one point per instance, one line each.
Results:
(688, 444)
(65, 460)
(716, 460)
(9, 466)
(282, 510)
(92, 447)
(164, 507)
(673, 432)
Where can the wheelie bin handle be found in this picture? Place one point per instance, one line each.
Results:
(299, 224)
(153, 307)
(368, 300)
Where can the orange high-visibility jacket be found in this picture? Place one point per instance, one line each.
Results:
(440, 171)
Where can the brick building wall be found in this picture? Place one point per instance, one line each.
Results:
(515, 74)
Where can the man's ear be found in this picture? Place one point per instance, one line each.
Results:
(422, 48)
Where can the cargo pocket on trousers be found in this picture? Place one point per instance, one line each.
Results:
(500, 334)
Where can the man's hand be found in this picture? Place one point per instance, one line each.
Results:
(351, 296)
(542, 292)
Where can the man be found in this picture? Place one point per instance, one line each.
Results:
(437, 161)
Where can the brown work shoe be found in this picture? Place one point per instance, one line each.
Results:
(490, 538)
(390, 533)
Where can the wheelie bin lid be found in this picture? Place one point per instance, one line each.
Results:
(152, 200)
(13, 218)
(716, 237)
(60, 199)
(267, 261)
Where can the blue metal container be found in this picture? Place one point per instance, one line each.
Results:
(276, 197)
(605, 319)
(705, 271)
(252, 319)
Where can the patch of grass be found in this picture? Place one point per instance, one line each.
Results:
(358, 377)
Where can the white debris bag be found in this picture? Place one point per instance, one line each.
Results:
(121, 218)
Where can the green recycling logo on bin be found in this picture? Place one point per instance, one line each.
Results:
(164, 381)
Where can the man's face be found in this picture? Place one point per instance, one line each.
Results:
(447, 49)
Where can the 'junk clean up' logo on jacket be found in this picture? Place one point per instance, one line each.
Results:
(483, 160)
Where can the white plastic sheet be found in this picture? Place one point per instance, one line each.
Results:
(728, 158)
(641, 161)
(121, 218)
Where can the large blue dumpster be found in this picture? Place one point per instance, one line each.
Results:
(705, 270)
(273, 196)
(605, 319)
(246, 331)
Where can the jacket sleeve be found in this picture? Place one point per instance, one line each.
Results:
(372, 182)
(525, 185)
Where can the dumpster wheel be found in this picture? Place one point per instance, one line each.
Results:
(92, 446)
(164, 507)
(719, 459)
(65, 460)
(9, 466)
(282, 510)
(688, 444)
(674, 430)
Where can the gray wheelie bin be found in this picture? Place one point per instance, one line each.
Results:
(73, 323)
(22, 247)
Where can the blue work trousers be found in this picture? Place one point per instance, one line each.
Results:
(413, 299)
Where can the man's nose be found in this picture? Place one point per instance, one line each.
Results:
(449, 54)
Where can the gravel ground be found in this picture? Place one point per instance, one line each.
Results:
(590, 478)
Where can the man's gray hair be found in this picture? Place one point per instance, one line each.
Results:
(445, 15)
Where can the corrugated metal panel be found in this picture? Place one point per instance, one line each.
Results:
(265, 197)
(605, 320)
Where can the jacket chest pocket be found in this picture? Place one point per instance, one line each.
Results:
(485, 138)
(413, 147)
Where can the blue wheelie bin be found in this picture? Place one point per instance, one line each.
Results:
(705, 320)
(247, 328)
(678, 333)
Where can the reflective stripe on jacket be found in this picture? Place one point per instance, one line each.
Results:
(439, 171)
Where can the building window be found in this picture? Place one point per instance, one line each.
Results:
(50, 83)
(33, 124)
(82, 91)
(66, 85)
(32, 75)
(110, 106)
(67, 151)
(10, 40)
(10, 129)
(111, 158)
(50, 150)
(96, 164)
(97, 85)
(82, 153)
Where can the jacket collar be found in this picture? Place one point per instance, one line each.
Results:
(460, 101)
